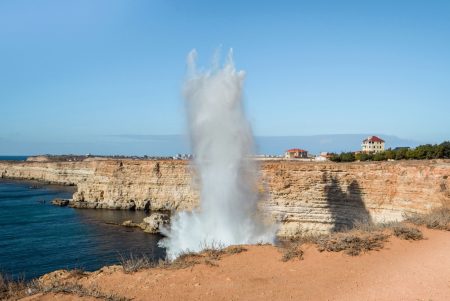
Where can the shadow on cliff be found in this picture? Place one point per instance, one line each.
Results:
(345, 203)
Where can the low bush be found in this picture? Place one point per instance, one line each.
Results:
(292, 251)
(11, 289)
(235, 249)
(407, 233)
(212, 251)
(438, 218)
(353, 242)
(208, 255)
(134, 263)
(81, 291)
(15, 289)
(184, 260)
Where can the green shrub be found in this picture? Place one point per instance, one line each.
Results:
(421, 152)
(381, 156)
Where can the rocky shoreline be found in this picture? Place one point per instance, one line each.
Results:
(150, 224)
(300, 196)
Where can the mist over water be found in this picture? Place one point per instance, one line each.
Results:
(222, 143)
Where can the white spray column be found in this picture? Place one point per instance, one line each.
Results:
(222, 144)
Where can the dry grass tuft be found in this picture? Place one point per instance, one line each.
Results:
(11, 289)
(134, 263)
(235, 249)
(363, 237)
(353, 242)
(209, 256)
(292, 251)
(80, 291)
(407, 233)
(78, 273)
(213, 254)
(370, 227)
(16, 289)
(438, 218)
(184, 260)
(210, 263)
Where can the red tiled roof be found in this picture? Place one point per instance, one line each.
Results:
(295, 150)
(373, 139)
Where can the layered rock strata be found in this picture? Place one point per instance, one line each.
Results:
(302, 196)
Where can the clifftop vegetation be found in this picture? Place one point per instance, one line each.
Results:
(421, 152)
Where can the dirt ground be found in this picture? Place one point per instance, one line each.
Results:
(403, 270)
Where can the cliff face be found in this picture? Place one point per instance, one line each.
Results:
(115, 184)
(66, 173)
(155, 185)
(302, 196)
(327, 196)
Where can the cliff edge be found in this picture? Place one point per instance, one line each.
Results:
(302, 196)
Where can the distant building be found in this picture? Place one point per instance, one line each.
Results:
(402, 148)
(183, 157)
(295, 153)
(324, 156)
(372, 144)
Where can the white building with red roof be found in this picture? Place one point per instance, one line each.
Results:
(372, 144)
(295, 153)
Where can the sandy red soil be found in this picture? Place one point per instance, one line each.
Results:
(403, 270)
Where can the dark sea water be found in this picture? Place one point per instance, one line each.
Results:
(13, 158)
(36, 237)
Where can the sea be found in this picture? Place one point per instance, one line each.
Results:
(37, 237)
(13, 158)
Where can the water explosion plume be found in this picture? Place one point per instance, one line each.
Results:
(222, 143)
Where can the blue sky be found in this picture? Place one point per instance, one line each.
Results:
(82, 74)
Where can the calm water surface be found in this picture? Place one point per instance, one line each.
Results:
(13, 158)
(36, 237)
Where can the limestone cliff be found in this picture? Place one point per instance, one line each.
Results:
(301, 195)
(326, 196)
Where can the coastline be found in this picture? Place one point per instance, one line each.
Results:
(300, 196)
(37, 237)
(403, 270)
